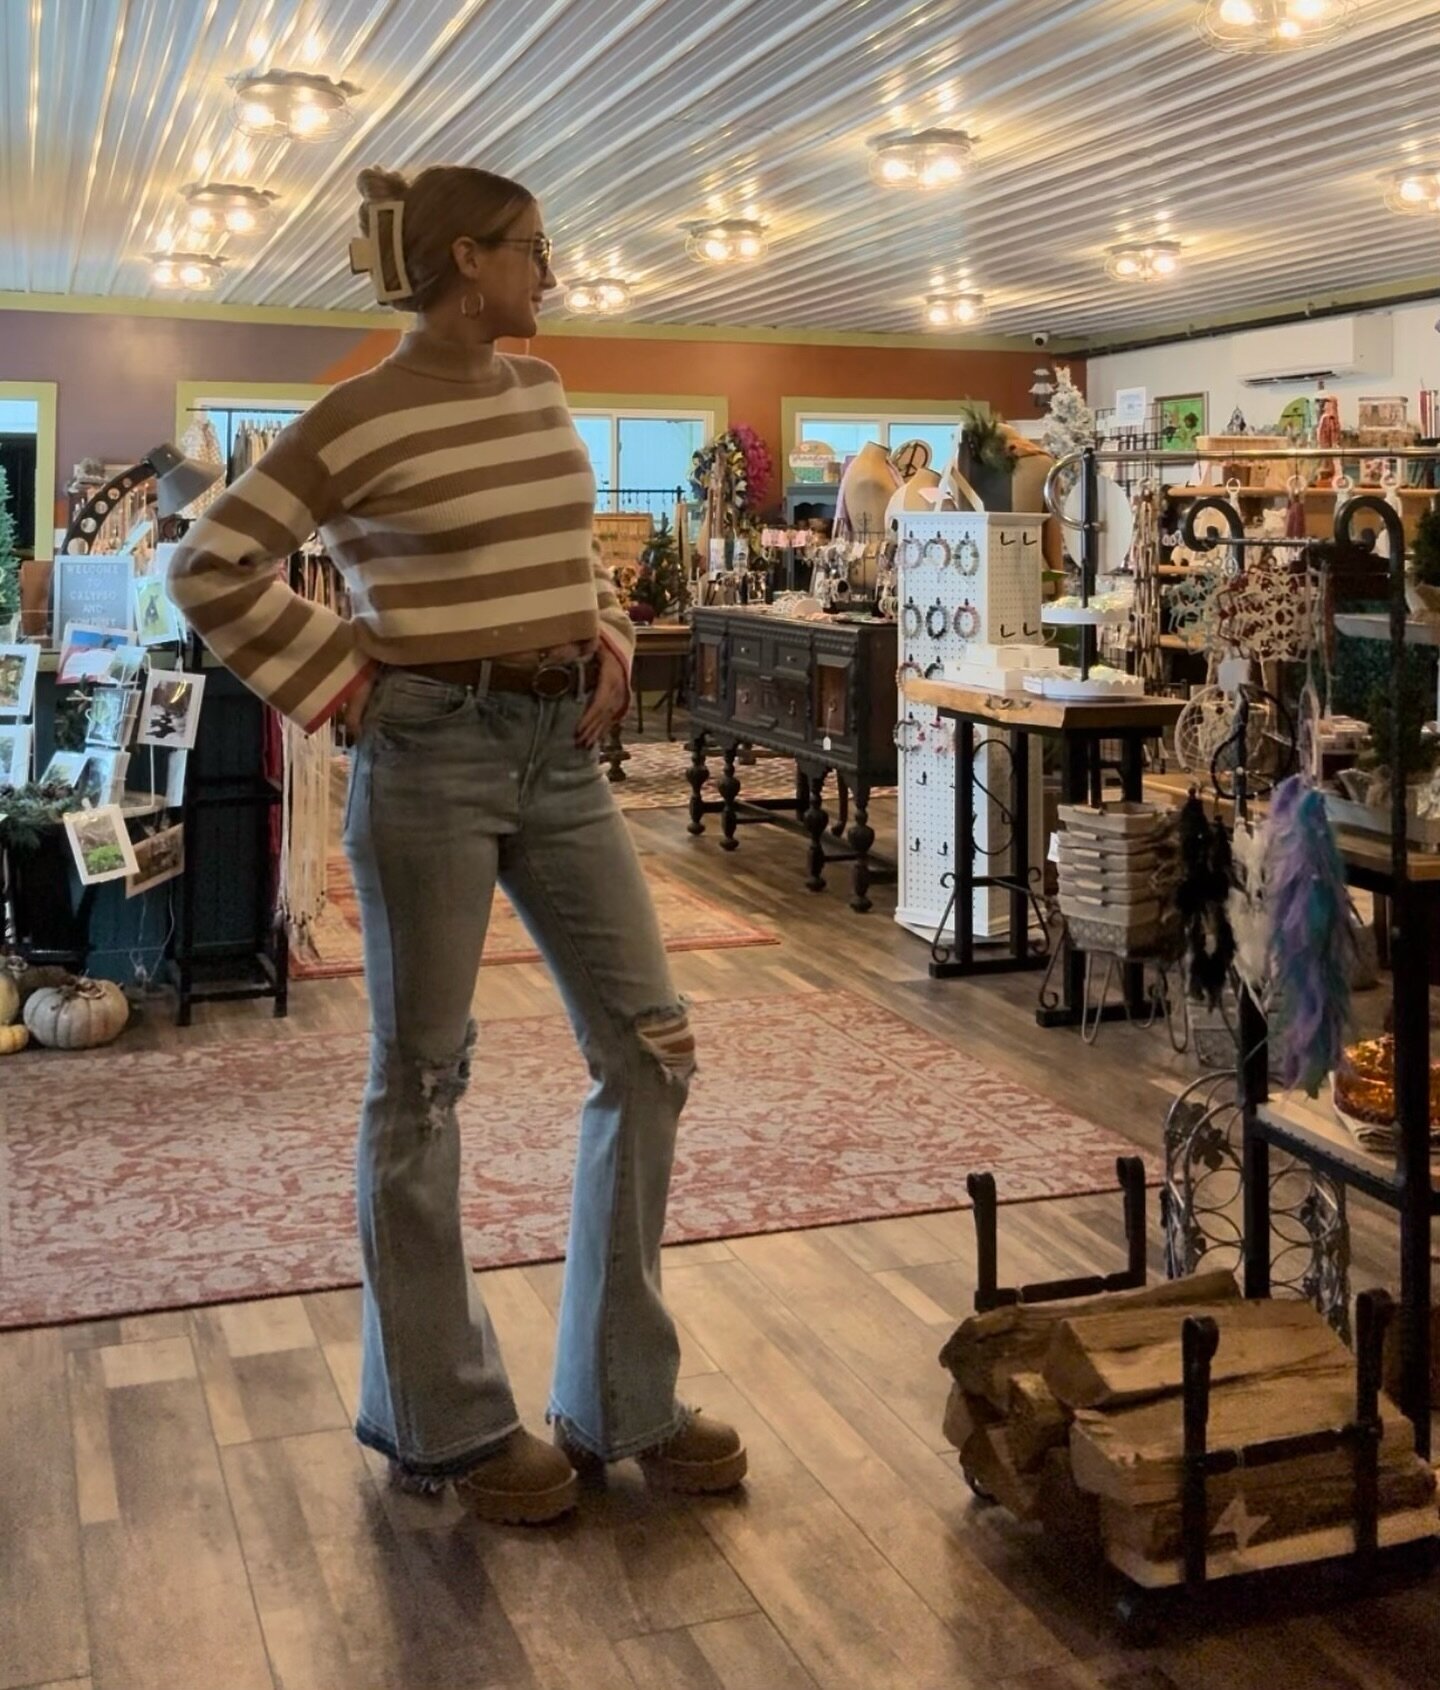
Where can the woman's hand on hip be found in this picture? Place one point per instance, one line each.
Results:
(352, 713)
(607, 702)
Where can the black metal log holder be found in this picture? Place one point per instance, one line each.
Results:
(1359, 1571)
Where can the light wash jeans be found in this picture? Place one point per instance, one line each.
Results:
(452, 789)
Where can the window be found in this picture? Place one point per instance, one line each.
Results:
(848, 434)
(642, 450)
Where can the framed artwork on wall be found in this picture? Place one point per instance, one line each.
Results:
(1182, 420)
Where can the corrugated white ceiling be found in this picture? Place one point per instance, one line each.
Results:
(1096, 120)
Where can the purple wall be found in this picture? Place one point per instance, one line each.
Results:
(116, 375)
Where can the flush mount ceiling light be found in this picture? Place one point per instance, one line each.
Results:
(1143, 261)
(1414, 190)
(227, 207)
(924, 158)
(195, 272)
(954, 310)
(296, 105)
(597, 296)
(1273, 26)
(730, 240)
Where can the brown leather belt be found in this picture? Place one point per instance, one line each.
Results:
(545, 680)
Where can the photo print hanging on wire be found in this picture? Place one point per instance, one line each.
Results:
(170, 715)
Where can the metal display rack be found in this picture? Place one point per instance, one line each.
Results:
(1410, 886)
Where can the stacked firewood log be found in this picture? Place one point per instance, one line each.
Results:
(1072, 1413)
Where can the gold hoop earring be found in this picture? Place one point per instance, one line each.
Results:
(475, 299)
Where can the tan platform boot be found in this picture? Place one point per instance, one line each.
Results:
(526, 1482)
(704, 1457)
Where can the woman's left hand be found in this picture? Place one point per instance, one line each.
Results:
(608, 701)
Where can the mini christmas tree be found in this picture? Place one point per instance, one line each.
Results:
(9, 561)
(1070, 423)
(658, 581)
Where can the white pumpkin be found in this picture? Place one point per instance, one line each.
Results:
(9, 998)
(78, 1016)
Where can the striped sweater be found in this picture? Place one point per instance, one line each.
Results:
(456, 498)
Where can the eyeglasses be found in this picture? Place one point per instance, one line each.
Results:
(541, 246)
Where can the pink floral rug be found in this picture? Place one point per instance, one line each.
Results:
(689, 921)
(138, 1180)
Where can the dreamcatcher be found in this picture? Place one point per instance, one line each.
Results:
(1206, 725)
(1193, 608)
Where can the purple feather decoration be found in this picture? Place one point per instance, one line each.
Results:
(1311, 942)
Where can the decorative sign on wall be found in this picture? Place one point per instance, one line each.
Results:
(1130, 403)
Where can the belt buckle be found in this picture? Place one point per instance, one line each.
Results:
(553, 680)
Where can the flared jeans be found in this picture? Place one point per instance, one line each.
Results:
(453, 791)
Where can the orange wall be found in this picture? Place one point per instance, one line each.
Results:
(757, 377)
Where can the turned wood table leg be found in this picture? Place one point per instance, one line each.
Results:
(843, 819)
(862, 837)
(615, 754)
(697, 774)
(729, 785)
(815, 820)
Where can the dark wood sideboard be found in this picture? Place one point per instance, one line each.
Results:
(822, 693)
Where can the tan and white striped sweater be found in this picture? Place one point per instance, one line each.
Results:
(457, 500)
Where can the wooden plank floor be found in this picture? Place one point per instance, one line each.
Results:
(182, 1503)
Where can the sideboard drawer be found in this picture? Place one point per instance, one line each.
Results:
(754, 699)
(745, 648)
(793, 660)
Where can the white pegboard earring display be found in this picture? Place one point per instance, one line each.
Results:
(968, 583)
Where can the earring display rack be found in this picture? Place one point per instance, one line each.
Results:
(964, 579)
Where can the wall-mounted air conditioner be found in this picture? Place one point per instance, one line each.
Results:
(1319, 351)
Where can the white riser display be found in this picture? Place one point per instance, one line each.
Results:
(1004, 590)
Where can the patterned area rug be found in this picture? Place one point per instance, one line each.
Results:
(206, 1173)
(688, 922)
(655, 777)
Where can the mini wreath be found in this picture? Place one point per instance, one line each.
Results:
(967, 622)
(937, 620)
(910, 620)
(967, 556)
(911, 551)
(903, 732)
(908, 667)
(935, 671)
(940, 547)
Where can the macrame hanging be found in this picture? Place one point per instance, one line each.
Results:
(1312, 942)
(1145, 560)
(305, 834)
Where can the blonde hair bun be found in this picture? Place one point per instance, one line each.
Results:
(375, 185)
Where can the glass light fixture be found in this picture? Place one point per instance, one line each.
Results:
(923, 158)
(954, 310)
(192, 272)
(227, 207)
(1143, 261)
(1273, 26)
(1414, 190)
(296, 105)
(597, 296)
(729, 240)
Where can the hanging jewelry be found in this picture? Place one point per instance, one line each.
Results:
(967, 622)
(908, 667)
(940, 547)
(936, 629)
(936, 671)
(967, 556)
(476, 299)
(910, 620)
(911, 551)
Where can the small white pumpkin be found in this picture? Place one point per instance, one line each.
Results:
(78, 1016)
(9, 998)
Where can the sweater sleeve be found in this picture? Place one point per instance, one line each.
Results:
(226, 580)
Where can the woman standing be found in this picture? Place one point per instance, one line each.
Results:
(486, 657)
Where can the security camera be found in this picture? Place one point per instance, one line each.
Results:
(1040, 338)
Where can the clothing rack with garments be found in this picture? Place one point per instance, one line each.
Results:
(245, 432)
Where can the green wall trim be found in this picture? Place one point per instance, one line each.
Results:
(43, 395)
(196, 311)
